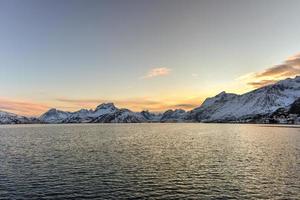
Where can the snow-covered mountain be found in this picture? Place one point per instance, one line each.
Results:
(120, 116)
(10, 118)
(177, 115)
(225, 106)
(104, 113)
(54, 116)
(151, 117)
(82, 115)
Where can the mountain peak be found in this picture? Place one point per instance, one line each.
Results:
(227, 106)
(4, 113)
(54, 116)
(221, 94)
(11, 118)
(52, 110)
(105, 106)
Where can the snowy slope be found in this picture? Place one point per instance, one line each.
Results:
(121, 116)
(103, 109)
(151, 117)
(177, 115)
(54, 116)
(104, 113)
(260, 101)
(79, 116)
(10, 118)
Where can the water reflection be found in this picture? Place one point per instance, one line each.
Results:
(157, 161)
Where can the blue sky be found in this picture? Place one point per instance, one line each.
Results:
(71, 54)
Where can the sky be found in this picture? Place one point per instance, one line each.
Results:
(141, 54)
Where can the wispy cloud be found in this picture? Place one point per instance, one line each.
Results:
(94, 102)
(195, 75)
(186, 106)
(279, 71)
(162, 71)
(135, 104)
(22, 107)
(261, 83)
(289, 68)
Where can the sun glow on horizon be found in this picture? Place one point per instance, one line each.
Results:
(27, 108)
(141, 55)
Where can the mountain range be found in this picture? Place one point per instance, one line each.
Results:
(275, 103)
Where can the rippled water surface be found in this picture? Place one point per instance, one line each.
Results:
(149, 161)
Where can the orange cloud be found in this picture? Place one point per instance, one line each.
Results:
(27, 108)
(22, 107)
(279, 71)
(289, 68)
(261, 83)
(163, 71)
(136, 104)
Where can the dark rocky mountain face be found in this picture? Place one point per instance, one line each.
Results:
(280, 112)
(120, 116)
(177, 115)
(283, 115)
(295, 107)
(147, 115)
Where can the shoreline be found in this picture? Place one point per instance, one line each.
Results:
(115, 123)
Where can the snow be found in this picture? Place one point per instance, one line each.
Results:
(177, 115)
(10, 118)
(105, 113)
(260, 101)
(103, 109)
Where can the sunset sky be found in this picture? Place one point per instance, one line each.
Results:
(141, 54)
